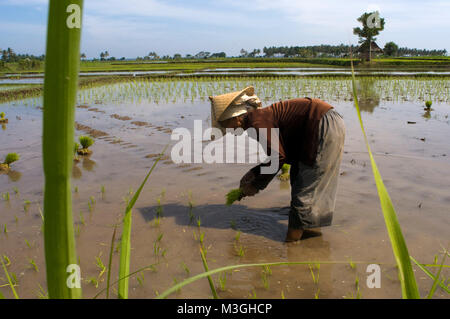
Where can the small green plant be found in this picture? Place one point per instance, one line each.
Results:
(26, 205)
(3, 120)
(86, 142)
(234, 195)
(428, 105)
(33, 265)
(9, 159)
(6, 196)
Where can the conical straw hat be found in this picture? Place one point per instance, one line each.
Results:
(220, 103)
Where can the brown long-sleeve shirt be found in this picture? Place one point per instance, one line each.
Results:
(298, 124)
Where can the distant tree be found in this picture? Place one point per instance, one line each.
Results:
(177, 56)
(254, 53)
(83, 56)
(202, 55)
(372, 24)
(102, 56)
(390, 49)
(244, 53)
(218, 55)
(153, 56)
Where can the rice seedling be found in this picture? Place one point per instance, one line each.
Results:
(222, 281)
(60, 87)
(10, 282)
(42, 294)
(93, 281)
(6, 196)
(238, 236)
(6, 260)
(3, 119)
(86, 142)
(159, 208)
(16, 190)
(100, 265)
(102, 190)
(82, 220)
(75, 189)
(185, 268)
(284, 175)
(407, 279)
(233, 195)
(26, 205)
(428, 105)
(265, 280)
(5, 229)
(210, 281)
(28, 243)
(140, 278)
(282, 294)
(33, 265)
(315, 277)
(9, 159)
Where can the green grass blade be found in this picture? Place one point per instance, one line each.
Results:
(108, 279)
(436, 280)
(125, 245)
(9, 279)
(60, 88)
(407, 279)
(211, 282)
(429, 274)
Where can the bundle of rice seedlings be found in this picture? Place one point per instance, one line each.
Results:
(9, 159)
(85, 142)
(428, 105)
(234, 195)
(3, 120)
(284, 175)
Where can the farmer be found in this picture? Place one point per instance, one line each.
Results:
(311, 139)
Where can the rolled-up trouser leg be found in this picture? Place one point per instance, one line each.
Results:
(313, 189)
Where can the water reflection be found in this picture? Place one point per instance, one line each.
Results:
(14, 176)
(368, 96)
(88, 164)
(427, 115)
(76, 171)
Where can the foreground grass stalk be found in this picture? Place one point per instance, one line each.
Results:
(401, 254)
(125, 244)
(11, 285)
(211, 282)
(60, 88)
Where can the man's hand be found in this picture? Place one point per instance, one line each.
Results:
(246, 184)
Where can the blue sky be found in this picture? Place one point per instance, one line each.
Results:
(133, 28)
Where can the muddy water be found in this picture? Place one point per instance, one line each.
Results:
(413, 158)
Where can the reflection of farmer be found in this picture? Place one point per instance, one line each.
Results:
(311, 139)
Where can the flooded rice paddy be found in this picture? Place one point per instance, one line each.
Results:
(133, 121)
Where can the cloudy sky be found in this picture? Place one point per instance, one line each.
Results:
(133, 28)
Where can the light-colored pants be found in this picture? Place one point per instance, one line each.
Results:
(313, 189)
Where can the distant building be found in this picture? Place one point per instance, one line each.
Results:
(367, 53)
